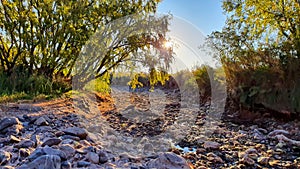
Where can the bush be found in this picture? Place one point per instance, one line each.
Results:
(269, 84)
(22, 81)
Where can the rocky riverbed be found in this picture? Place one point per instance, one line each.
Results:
(56, 134)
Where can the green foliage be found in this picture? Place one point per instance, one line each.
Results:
(101, 85)
(187, 81)
(265, 22)
(22, 81)
(5, 98)
(139, 80)
(202, 78)
(46, 37)
(259, 48)
(137, 45)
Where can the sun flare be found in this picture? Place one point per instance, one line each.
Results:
(168, 44)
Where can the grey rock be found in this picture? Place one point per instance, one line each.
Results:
(211, 145)
(21, 118)
(51, 141)
(83, 164)
(247, 160)
(65, 137)
(76, 131)
(66, 165)
(4, 157)
(15, 129)
(41, 122)
(103, 157)
(92, 137)
(67, 141)
(26, 124)
(35, 138)
(35, 154)
(278, 132)
(264, 131)
(7, 122)
(68, 150)
(25, 144)
(168, 160)
(52, 151)
(44, 162)
(43, 129)
(93, 157)
(59, 133)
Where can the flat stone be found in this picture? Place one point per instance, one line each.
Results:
(168, 160)
(76, 131)
(51, 141)
(211, 145)
(66, 137)
(25, 144)
(59, 133)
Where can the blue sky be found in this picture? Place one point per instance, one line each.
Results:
(206, 15)
(192, 21)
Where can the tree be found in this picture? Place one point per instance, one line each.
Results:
(259, 48)
(265, 22)
(47, 36)
(135, 41)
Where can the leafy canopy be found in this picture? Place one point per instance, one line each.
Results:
(46, 36)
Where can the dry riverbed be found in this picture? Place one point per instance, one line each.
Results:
(85, 132)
